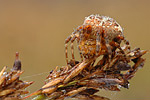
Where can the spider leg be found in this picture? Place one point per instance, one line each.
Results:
(105, 42)
(66, 45)
(78, 39)
(72, 48)
(107, 46)
(128, 48)
(71, 38)
(109, 51)
(81, 55)
(98, 43)
(66, 48)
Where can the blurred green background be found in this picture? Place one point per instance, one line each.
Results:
(37, 29)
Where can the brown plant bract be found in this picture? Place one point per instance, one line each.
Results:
(11, 87)
(99, 36)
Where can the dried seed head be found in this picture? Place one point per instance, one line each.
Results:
(17, 63)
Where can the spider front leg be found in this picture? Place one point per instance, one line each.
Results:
(66, 48)
(72, 37)
(72, 48)
(127, 45)
(66, 45)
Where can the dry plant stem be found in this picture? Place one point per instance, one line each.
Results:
(79, 68)
(54, 82)
(2, 71)
(98, 36)
(49, 87)
(11, 87)
(78, 81)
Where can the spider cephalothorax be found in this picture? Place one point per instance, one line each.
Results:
(99, 35)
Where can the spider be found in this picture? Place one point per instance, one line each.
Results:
(99, 35)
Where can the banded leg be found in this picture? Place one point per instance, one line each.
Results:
(80, 29)
(108, 48)
(98, 43)
(66, 45)
(128, 48)
(81, 55)
(66, 48)
(72, 48)
(69, 39)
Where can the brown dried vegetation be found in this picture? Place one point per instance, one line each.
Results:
(82, 79)
(11, 87)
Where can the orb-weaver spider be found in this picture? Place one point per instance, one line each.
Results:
(99, 35)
